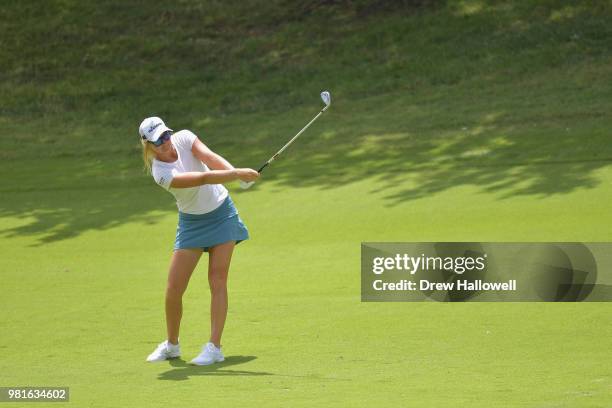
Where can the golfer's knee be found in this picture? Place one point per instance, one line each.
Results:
(174, 292)
(217, 280)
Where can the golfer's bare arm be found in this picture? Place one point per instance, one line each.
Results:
(197, 178)
(222, 171)
(208, 157)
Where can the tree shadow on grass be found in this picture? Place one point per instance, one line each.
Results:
(55, 214)
(499, 152)
(183, 371)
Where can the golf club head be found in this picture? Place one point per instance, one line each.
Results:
(326, 96)
(246, 184)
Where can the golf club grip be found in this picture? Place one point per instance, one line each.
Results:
(263, 167)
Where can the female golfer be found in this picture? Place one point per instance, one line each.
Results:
(208, 221)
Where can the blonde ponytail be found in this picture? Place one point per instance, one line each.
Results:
(148, 154)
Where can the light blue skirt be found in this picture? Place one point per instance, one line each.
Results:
(213, 228)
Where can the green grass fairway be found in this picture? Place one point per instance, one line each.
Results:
(85, 309)
(466, 121)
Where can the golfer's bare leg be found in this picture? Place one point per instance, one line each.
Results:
(182, 265)
(218, 268)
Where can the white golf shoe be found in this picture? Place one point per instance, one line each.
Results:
(164, 351)
(210, 354)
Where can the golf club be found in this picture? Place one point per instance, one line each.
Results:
(326, 97)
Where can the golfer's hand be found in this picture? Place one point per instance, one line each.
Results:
(247, 174)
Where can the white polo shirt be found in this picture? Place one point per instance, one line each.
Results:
(192, 200)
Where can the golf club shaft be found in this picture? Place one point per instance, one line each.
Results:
(292, 140)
